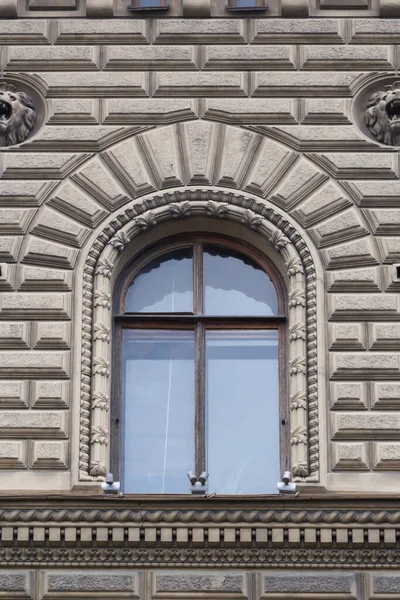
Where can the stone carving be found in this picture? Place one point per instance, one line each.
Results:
(17, 115)
(97, 319)
(382, 115)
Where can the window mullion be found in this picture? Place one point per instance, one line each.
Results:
(200, 415)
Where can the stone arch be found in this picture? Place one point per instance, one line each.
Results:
(96, 318)
(312, 191)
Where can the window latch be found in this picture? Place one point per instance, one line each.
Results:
(198, 485)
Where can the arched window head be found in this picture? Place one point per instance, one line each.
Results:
(202, 329)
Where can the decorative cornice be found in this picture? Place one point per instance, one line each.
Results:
(192, 517)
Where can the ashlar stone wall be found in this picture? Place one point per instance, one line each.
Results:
(263, 108)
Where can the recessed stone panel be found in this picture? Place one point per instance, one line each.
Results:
(374, 58)
(384, 336)
(309, 85)
(33, 424)
(358, 253)
(354, 280)
(51, 336)
(350, 457)
(54, 226)
(123, 584)
(97, 181)
(34, 364)
(365, 365)
(366, 425)
(200, 84)
(14, 394)
(386, 456)
(96, 85)
(253, 58)
(101, 31)
(33, 58)
(251, 110)
(48, 455)
(17, 585)
(148, 111)
(138, 58)
(348, 336)
(14, 336)
(340, 228)
(41, 279)
(290, 584)
(385, 395)
(13, 455)
(294, 31)
(215, 583)
(22, 304)
(43, 252)
(200, 31)
(349, 396)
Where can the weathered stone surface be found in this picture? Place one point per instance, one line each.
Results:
(307, 584)
(222, 583)
(91, 581)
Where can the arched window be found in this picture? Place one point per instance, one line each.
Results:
(201, 330)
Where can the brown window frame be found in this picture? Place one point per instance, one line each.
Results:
(199, 323)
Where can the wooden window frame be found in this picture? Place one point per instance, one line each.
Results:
(199, 323)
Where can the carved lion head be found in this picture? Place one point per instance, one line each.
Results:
(17, 115)
(382, 115)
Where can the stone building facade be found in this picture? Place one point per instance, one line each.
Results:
(155, 122)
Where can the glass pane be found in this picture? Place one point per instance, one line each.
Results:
(158, 411)
(164, 285)
(236, 285)
(149, 3)
(245, 3)
(242, 408)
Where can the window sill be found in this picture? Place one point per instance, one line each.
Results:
(246, 8)
(144, 8)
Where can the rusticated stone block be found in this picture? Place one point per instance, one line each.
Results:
(386, 584)
(13, 455)
(386, 456)
(297, 30)
(201, 84)
(14, 336)
(39, 305)
(50, 394)
(350, 457)
(301, 583)
(348, 336)
(205, 582)
(101, 31)
(70, 582)
(17, 584)
(200, 31)
(386, 396)
(363, 306)
(33, 424)
(365, 366)
(352, 396)
(367, 425)
(14, 394)
(384, 336)
(34, 364)
(48, 455)
(51, 336)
